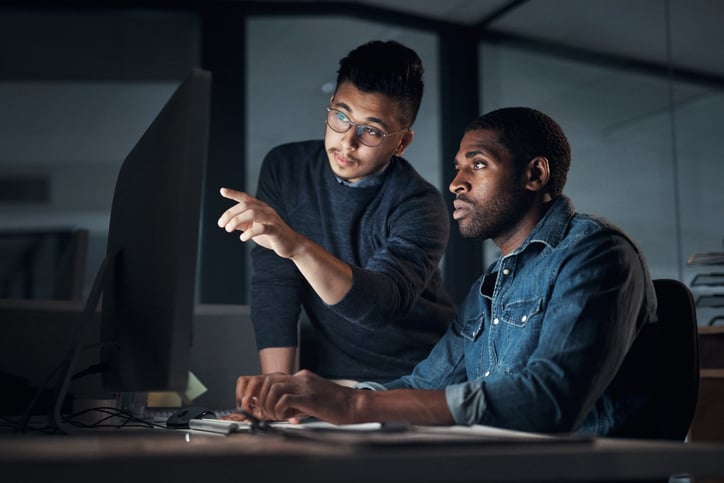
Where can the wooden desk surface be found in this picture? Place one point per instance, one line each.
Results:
(177, 456)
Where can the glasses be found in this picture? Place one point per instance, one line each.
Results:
(367, 135)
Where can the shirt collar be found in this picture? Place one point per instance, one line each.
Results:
(551, 229)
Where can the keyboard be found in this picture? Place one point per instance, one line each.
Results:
(221, 426)
(227, 427)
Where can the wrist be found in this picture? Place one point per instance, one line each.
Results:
(300, 247)
(361, 403)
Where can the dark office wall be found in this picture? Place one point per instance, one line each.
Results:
(223, 261)
(459, 101)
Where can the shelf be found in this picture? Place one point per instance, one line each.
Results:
(706, 258)
(708, 279)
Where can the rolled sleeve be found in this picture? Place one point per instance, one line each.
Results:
(466, 402)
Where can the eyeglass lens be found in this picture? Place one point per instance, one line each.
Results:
(340, 123)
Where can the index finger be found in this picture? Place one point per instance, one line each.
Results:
(230, 194)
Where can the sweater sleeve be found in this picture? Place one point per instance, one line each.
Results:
(276, 282)
(393, 280)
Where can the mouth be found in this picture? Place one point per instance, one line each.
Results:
(462, 208)
(343, 161)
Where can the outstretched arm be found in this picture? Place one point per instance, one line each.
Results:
(329, 277)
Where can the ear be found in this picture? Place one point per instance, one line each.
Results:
(404, 142)
(537, 173)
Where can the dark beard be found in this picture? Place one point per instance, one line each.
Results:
(498, 216)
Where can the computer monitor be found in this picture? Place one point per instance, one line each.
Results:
(148, 293)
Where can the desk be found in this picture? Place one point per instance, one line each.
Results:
(127, 456)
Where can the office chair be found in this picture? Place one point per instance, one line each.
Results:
(666, 358)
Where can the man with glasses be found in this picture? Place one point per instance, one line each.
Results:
(346, 229)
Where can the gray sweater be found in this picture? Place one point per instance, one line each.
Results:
(393, 235)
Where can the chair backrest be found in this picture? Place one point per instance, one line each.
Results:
(668, 351)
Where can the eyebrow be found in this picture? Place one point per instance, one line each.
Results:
(376, 120)
(478, 152)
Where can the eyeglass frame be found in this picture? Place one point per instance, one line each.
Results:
(358, 126)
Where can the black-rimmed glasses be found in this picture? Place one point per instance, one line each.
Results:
(367, 135)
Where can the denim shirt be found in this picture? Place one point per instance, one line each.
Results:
(539, 340)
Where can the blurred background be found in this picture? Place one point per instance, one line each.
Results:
(638, 86)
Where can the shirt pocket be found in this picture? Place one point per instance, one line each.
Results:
(518, 335)
(520, 312)
(471, 326)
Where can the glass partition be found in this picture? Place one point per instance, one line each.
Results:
(644, 133)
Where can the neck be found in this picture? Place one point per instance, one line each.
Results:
(525, 226)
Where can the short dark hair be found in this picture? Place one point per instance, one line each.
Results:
(388, 68)
(527, 133)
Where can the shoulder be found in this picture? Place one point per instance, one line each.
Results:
(595, 246)
(585, 226)
(287, 171)
(405, 183)
(409, 196)
(402, 170)
(563, 228)
(292, 160)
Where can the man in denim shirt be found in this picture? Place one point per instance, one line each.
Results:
(540, 340)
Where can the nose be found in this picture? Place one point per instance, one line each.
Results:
(459, 183)
(350, 139)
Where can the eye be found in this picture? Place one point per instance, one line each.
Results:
(478, 165)
(341, 117)
(370, 131)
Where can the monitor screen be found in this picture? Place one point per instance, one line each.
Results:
(150, 276)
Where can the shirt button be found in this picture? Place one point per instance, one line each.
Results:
(524, 318)
(496, 321)
(487, 373)
(506, 271)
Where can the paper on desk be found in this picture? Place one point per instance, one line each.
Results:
(402, 434)
(474, 430)
(482, 430)
(323, 425)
